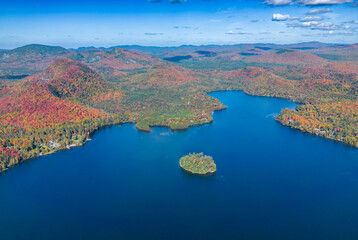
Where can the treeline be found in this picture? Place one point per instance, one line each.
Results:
(19, 144)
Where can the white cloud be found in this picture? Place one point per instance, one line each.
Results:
(319, 11)
(310, 19)
(324, 26)
(330, 34)
(280, 17)
(278, 2)
(314, 25)
(238, 33)
(323, 2)
(303, 24)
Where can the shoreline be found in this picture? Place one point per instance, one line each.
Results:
(199, 174)
(68, 147)
(177, 129)
(317, 135)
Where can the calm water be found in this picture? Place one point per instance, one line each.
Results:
(272, 183)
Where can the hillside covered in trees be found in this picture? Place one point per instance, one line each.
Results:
(53, 98)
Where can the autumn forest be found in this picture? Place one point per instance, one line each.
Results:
(53, 98)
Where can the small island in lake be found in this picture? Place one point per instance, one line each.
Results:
(198, 163)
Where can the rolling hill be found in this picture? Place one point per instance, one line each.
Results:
(34, 117)
(74, 92)
(288, 57)
(29, 59)
(69, 79)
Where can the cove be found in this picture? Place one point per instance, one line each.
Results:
(272, 182)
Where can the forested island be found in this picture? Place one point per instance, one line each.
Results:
(52, 98)
(198, 163)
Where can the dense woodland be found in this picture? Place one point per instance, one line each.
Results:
(52, 98)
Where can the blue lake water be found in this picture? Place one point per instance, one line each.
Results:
(272, 182)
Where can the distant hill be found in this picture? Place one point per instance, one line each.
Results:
(288, 57)
(309, 45)
(38, 49)
(260, 77)
(164, 75)
(341, 53)
(29, 59)
(116, 62)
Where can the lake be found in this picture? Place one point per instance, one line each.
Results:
(272, 182)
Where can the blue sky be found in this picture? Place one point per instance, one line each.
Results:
(176, 22)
